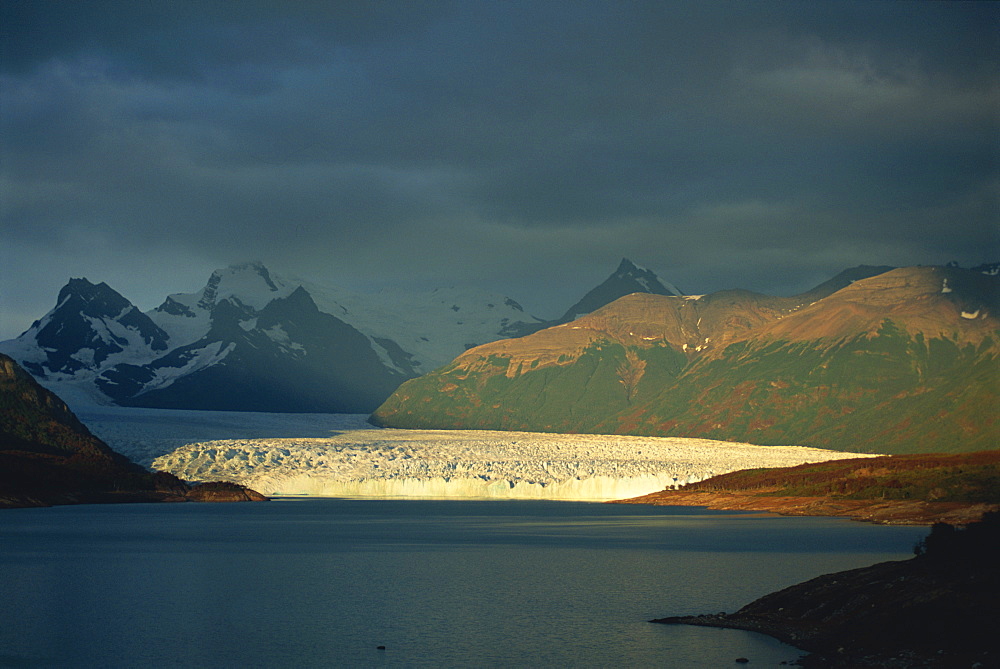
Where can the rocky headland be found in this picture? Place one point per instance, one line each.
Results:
(938, 609)
(223, 491)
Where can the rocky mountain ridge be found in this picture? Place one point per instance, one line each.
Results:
(898, 361)
(254, 340)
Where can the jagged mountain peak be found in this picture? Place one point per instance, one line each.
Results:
(627, 279)
(90, 324)
(252, 268)
(627, 267)
(92, 299)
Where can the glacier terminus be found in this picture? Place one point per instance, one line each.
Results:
(340, 455)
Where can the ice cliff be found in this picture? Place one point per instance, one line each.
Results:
(471, 464)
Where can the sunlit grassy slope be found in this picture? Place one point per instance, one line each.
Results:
(897, 366)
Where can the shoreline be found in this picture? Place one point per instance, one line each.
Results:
(906, 613)
(880, 511)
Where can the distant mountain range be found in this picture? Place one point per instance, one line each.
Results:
(633, 355)
(875, 360)
(254, 341)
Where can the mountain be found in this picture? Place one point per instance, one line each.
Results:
(903, 361)
(627, 279)
(288, 356)
(90, 325)
(256, 341)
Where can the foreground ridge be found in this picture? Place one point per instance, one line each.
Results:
(48, 457)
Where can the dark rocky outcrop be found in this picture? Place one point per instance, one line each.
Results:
(938, 609)
(223, 491)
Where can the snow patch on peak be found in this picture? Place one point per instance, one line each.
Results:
(250, 283)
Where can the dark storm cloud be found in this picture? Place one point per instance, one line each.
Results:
(525, 146)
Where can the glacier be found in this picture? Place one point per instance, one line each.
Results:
(341, 455)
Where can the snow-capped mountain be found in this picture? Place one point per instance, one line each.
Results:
(253, 340)
(412, 332)
(91, 327)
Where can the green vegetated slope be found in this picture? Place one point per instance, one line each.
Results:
(903, 362)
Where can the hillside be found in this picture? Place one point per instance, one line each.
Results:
(912, 489)
(48, 457)
(900, 362)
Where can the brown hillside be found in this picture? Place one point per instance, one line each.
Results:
(900, 489)
(690, 324)
(900, 362)
(920, 299)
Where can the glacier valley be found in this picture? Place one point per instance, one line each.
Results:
(280, 454)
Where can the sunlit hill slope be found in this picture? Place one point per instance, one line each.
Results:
(902, 362)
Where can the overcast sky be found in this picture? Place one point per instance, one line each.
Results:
(525, 147)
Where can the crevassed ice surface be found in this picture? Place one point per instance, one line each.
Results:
(340, 455)
(465, 463)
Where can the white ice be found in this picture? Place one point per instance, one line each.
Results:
(341, 455)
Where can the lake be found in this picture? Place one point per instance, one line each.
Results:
(324, 582)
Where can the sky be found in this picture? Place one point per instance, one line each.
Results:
(524, 147)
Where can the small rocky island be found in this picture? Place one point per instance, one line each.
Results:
(48, 457)
(940, 608)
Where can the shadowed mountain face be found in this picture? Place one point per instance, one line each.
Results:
(899, 362)
(47, 456)
(627, 279)
(294, 358)
(254, 341)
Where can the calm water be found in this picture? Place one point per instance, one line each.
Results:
(323, 582)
